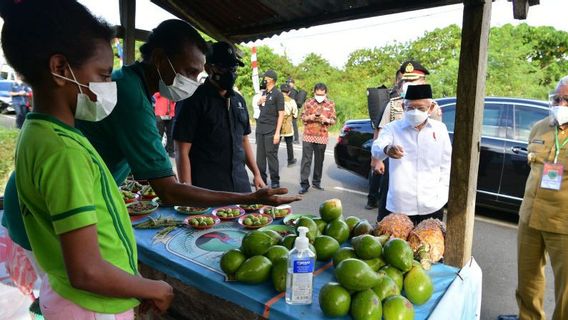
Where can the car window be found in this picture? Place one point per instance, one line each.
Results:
(449, 116)
(493, 113)
(525, 118)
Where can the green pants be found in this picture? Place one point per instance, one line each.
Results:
(532, 246)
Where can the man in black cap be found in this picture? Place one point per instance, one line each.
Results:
(268, 127)
(212, 127)
(413, 73)
(420, 152)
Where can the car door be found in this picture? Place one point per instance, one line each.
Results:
(516, 168)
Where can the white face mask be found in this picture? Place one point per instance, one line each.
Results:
(415, 117)
(181, 88)
(559, 114)
(94, 110)
(320, 99)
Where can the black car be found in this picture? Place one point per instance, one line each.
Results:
(503, 167)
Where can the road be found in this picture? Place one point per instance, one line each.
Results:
(494, 245)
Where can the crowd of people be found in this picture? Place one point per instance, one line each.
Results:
(90, 127)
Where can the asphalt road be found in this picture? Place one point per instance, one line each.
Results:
(494, 246)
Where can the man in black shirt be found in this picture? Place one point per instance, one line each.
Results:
(268, 127)
(212, 127)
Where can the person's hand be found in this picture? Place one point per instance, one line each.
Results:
(379, 167)
(262, 100)
(273, 196)
(276, 139)
(258, 182)
(395, 151)
(164, 296)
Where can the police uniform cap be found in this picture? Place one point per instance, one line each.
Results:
(270, 74)
(417, 92)
(412, 70)
(224, 54)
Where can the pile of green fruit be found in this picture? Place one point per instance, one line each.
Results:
(254, 220)
(228, 212)
(201, 221)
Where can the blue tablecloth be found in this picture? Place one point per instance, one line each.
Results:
(187, 255)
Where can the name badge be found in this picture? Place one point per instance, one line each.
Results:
(552, 176)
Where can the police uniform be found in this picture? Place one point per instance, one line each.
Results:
(543, 225)
(215, 127)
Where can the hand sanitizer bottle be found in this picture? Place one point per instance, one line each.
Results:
(301, 265)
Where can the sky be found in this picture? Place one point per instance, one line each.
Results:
(336, 41)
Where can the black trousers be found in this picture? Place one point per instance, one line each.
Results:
(374, 186)
(267, 150)
(295, 126)
(289, 148)
(167, 127)
(317, 152)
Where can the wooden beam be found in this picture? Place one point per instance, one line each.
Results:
(128, 22)
(139, 34)
(520, 9)
(469, 116)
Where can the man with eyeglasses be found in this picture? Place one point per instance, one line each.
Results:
(212, 127)
(420, 151)
(543, 216)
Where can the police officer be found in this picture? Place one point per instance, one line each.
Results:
(413, 73)
(212, 127)
(543, 216)
(268, 128)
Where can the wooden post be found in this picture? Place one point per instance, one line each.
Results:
(128, 22)
(469, 116)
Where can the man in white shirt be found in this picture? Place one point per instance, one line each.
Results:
(420, 150)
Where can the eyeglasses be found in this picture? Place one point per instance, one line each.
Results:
(423, 108)
(556, 100)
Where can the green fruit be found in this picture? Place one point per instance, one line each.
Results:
(342, 254)
(375, 263)
(366, 306)
(330, 210)
(247, 221)
(394, 274)
(276, 237)
(232, 260)
(288, 241)
(351, 222)
(397, 308)
(386, 287)
(254, 270)
(326, 247)
(356, 275)
(256, 243)
(362, 227)
(383, 238)
(321, 224)
(279, 273)
(398, 253)
(310, 224)
(337, 229)
(368, 247)
(334, 300)
(276, 252)
(418, 286)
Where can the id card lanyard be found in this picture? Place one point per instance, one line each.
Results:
(557, 145)
(552, 172)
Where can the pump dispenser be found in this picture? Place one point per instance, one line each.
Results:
(301, 265)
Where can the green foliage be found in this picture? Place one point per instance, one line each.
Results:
(7, 152)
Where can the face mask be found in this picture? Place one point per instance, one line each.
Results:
(415, 117)
(263, 84)
(181, 88)
(559, 114)
(320, 99)
(226, 80)
(93, 110)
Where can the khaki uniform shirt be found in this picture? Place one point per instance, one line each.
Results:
(395, 111)
(544, 209)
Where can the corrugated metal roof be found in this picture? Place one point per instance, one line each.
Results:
(249, 20)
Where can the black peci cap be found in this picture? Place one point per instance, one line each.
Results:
(222, 53)
(417, 92)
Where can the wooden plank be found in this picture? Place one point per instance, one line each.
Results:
(139, 34)
(469, 115)
(128, 22)
(520, 9)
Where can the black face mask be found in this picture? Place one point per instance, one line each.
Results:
(226, 80)
(263, 84)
